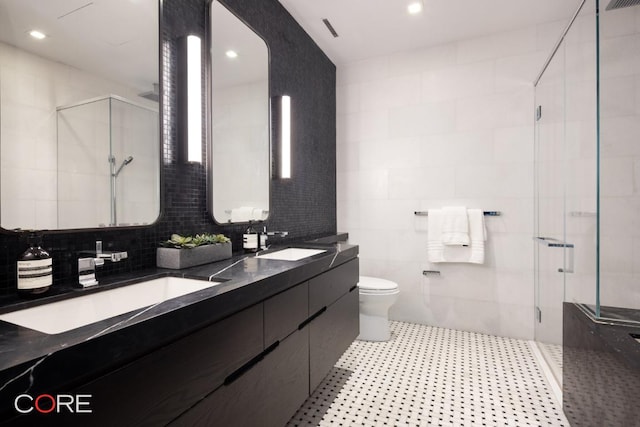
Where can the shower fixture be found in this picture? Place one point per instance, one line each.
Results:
(125, 162)
(114, 174)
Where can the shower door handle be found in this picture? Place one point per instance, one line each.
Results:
(550, 242)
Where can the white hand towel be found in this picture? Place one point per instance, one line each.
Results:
(435, 248)
(257, 214)
(478, 235)
(455, 226)
(242, 214)
(474, 253)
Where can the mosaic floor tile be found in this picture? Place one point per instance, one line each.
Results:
(428, 376)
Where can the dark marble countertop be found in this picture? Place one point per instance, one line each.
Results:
(37, 362)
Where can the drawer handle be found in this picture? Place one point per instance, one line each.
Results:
(310, 319)
(270, 348)
(250, 364)
(242, 369)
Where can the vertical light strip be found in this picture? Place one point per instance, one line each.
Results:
(194, 99)
(285, 143)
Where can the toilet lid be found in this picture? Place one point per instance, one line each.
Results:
(376, 284)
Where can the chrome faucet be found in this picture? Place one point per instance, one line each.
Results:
(264, 235)
(87, 271)
(112, 256)
(87, 265)
(278, 233)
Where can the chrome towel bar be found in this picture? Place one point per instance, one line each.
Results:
(486, 213)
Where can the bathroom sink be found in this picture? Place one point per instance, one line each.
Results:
(73, 313)
(291, 254)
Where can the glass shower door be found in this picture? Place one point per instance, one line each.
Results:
(566, 183)
(550, 250)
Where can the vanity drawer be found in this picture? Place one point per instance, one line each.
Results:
(267, 394)
(283, 313)
(330, 335)
(326, 288)
(158, 387)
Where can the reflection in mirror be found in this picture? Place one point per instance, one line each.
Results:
(109, 144)
(79, 134)
(240, 120)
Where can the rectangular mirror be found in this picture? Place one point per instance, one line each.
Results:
(79, 131)
(240, 151)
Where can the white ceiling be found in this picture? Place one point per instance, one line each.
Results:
(230, 33)
(116, 39)
(369, 28)
(89, 34)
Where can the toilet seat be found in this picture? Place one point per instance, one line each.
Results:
(378, 292)
(376, 286)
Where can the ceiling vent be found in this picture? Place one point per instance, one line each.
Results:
(64, 15)
(619, 4)
(330, 27)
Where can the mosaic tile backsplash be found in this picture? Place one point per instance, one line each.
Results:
(304, 205)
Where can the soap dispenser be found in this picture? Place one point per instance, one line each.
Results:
(35, 270)
(250, 239)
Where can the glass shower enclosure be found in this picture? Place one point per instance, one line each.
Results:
(587, 173)
(108, 163)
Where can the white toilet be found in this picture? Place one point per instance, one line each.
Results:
(376, 296)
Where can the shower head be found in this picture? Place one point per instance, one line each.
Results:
(125, 162)
(618, 4)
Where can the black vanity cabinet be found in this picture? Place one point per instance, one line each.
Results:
(153, 390)
(306, 330)
(253, 368)
(269, 389)
(334, 298)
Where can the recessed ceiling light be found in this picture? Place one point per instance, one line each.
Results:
(37, 34)
(415, 8)
(231, 54)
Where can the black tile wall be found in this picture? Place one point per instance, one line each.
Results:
(305, 205)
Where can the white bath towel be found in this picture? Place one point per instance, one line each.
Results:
(257, 214)
(435, 248)
(455, 226)
(474, 253)
(478, 235)
(242, 214)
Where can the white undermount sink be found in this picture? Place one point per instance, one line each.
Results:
(72, 313)
(291, 254)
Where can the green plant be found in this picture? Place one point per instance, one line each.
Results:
(185, 242)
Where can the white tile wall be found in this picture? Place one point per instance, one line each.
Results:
(138, 196)
(448, 125)
(468, 140)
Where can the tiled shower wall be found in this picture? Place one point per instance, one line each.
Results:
(620, 157)
(447, 125)
(304, 206)
(88, 135)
